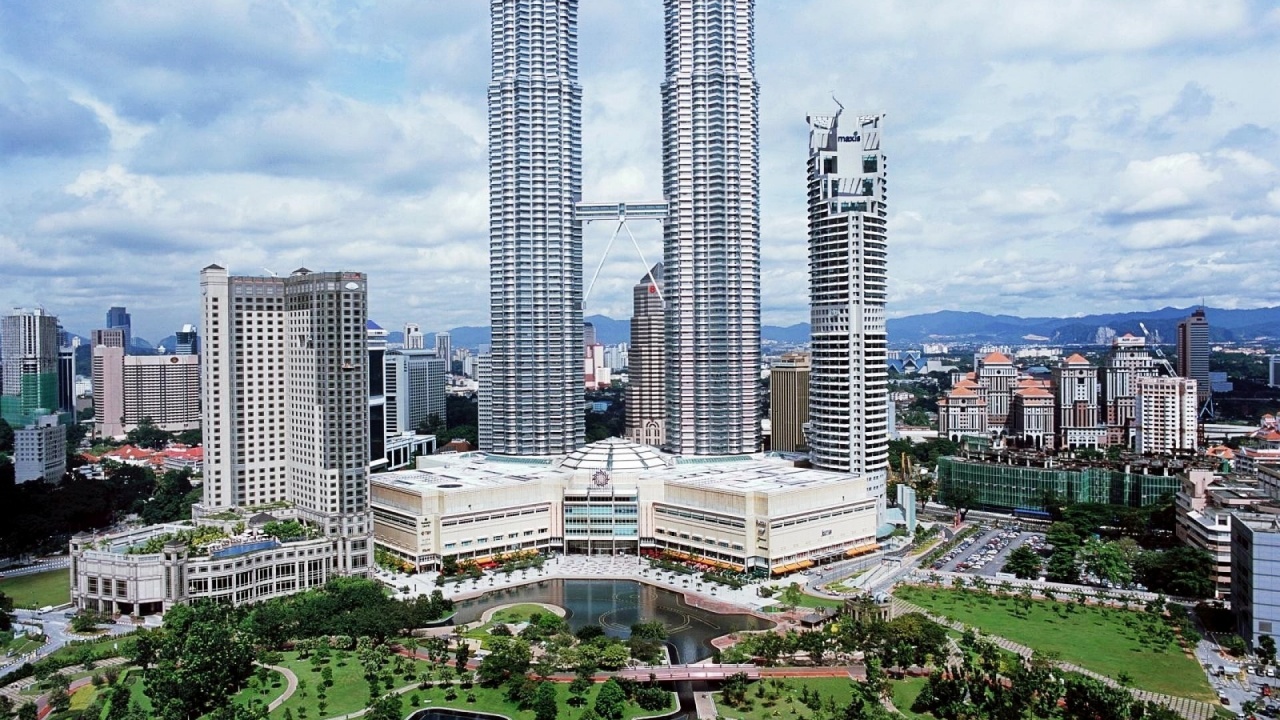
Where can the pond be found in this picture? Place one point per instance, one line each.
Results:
(617, 604)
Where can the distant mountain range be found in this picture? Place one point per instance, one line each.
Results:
(951, 326)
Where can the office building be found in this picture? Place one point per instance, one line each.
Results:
(413, 337)
(28, 366)
(646, 362)
(1075, 382)
(415, 389)
(40, 450)
(67, 378)
(711, 268)
(1204, 506)
(996, 373)
(286, 404)
(962, 411)
(1193, 353)
(1031, 416)
(848, 381)
(444, 349)
(186, 341)
(107, 338)
(1165, 415)
(1255, 574)
(128, 389)
(535, 372)
(1129, 361)
(118, 318)
(376, 336)
(1273, 371)
(746, 513)
(789, 403)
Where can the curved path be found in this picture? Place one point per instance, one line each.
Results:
(291, 686)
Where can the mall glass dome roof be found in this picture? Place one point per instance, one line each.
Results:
(615, 455)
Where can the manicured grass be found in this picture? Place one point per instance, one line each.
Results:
(138, 691)
(518, 613)
(1096, 638)
(905, 692)
(39, 589)
(20, 645)
(493, 700)
(83, 697)
(349, 693)
(786, 703)
(274, 688)
(806, 601)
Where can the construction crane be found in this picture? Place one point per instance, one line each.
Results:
(1161, 361)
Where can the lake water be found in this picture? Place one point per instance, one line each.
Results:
(617, 604)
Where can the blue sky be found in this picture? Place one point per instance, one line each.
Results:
(1044, 157)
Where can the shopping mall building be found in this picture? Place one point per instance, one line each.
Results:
(754, 513)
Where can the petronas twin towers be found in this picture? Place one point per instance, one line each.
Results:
(531, 398)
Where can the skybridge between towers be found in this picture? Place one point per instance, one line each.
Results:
(619, 212)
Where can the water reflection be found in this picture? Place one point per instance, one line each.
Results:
(616, 605)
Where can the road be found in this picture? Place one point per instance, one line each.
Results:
(57, 628)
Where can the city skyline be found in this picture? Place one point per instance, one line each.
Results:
(200, 136)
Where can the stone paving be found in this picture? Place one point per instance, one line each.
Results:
(1187, 708)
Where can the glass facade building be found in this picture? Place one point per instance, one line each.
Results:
(1005, 488)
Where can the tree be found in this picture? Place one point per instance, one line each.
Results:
(1181, 570)
(1267, 649)
(387, 707)
(1087, 699)
(28, 711)
(545, 706)
(1061, 535)
(960, 499)
(6, 608)
(461, 655)
(610, 701)
(1106, 561)
(1023, 562)
(1061, 567)
(792, 595)
(508, 657)
(6, 437)
(147, 435)
(202, 659)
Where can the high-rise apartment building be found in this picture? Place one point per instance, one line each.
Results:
(29, 356)
(413, 337)
(1165, 415)
(789, 402)
(848, 382)
(1129, 361)
(710, 180)
(535, 372)
(285, 396)
(128, 389)
(118, 318)
(1193, 352)
(646, 358)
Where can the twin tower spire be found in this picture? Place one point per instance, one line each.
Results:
(531, 388)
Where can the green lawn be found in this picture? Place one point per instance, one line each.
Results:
(905, 692)
(493, 700)
(19, 645)
(782, 698)
(517, 613)
(138, 691)
(1105, 640)
(39, 589)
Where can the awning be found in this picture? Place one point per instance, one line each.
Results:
(678, 554)
(789, 567)
(720, 564)
(804, 564)
(861, 549)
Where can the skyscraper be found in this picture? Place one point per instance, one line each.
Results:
(646, 398)
(413, 337)
(444, 349)
(1193, 352)
(119, 318)
(789, 402)
(29, 353)
(186, 341)
(710, 178)
(285, 398)
(848, 380)
(535, 375)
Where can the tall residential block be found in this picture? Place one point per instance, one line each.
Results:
(535, 375)
(29, 354)
(415, 389)
(789, 402)
(285, 397)
(848, 381)
(710, 180)
(413, 337)
(444, 349)
(128, 389)
(1165, 415)
(1193, 352)
(1129, 361)
(646, 389)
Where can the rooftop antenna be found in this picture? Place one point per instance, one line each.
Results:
(837, 102)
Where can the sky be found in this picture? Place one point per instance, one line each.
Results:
(1044, 157)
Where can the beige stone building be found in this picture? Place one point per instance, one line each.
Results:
(748, 512)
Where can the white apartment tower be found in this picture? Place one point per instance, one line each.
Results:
(285, 398)
(535, 373)
(1165, 415)
(413, 337)
(848, 378)
(710, 180)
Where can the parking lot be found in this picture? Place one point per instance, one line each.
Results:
(985, 554)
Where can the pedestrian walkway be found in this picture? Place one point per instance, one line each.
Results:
(1186, 707)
